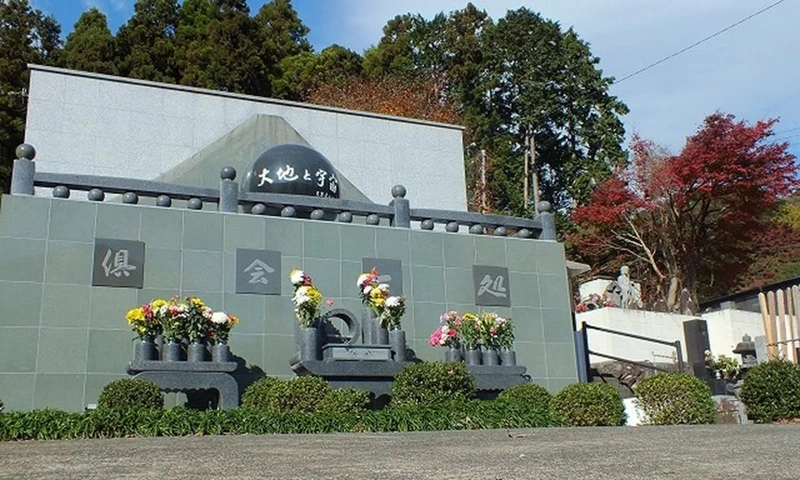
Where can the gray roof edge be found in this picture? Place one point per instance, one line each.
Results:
(239, 96)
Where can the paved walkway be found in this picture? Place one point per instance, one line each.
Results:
(706, 452)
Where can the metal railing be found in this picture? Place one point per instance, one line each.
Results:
(586, 352)
(228, 198)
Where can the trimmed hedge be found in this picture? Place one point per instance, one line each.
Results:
(431, 383)
(130, 393)
(771, 391)
(528, 395)
(257, 394)
(298, 395)
(344, 401)
(179, 421)
(588, 405)
(675, 399)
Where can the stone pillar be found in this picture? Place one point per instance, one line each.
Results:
(548, 221)
(24, 170)
(228, 191)
(402, 208)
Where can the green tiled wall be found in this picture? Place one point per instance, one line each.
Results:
(66, 339)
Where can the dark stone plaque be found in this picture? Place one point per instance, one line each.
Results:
(292, 169)
(492, 288)
(118, 263)
(258, 271)
(390, 271)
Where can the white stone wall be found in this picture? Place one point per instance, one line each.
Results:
(725, 330)
(97, 124)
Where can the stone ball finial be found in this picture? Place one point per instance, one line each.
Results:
(747, 338)
(227, 173)
(398, 191)
(544, 206)
(26, 152)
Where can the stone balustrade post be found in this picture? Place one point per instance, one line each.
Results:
(24, 170)
(548, 220)
(402, 207)
(228, 191)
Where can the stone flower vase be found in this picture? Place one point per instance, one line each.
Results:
(145, 350)
(508, 357)
(397, 340)
(221, 352)
(491, 356)
(473, 355)
(196, 352)
(309, 344)
(173, 351)
(454, 354)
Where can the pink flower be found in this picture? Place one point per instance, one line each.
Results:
(329, 302)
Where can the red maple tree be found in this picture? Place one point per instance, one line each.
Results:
(689, 220)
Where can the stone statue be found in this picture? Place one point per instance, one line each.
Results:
(630, 296)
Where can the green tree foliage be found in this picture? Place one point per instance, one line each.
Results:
(147, 42)
(521, 75)
(303, 73)
(218, 46)
(90, 46)
(283, 35)
(26, 36)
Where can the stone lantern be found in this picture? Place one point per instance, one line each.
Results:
(747, 349)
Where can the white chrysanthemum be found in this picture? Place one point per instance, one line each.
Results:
(367, 289)
(297, 277)
(301, 299)
(219, 318)
(384, 287)
(393, 302)
(362, 278)
(302, 291)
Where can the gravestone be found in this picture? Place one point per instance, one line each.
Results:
(292, 169)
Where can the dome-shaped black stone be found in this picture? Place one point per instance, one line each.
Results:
(292, 169)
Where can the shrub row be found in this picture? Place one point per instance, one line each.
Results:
(179, 421)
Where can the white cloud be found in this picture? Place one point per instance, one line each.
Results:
(748, 71)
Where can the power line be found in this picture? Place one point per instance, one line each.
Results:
(787, 131)
(698, 42)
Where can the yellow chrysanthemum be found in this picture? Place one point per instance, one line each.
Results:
(197, 301)
(379, 301)
(158, 303)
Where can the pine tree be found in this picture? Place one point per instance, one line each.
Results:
(147, 42)
(90, 46)
(282, 35)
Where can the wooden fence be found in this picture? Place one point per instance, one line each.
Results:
(780, 311)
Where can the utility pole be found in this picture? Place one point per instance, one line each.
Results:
(534, 177)
(483, 181)
(525, 180)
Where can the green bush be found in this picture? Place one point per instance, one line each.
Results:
(257, 394)
(675, 399)
(528, 395)
(130, 393)
(179, 421)
(771, 391)
(588, 405)
(344, 400)
(429, 383)
(298, 395)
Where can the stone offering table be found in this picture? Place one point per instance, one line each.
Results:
(497, 377)
(183, 376)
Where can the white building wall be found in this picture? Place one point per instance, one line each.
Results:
(725, 330)
(97, 124)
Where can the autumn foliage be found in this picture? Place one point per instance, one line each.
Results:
(397, 96)
(694, 219)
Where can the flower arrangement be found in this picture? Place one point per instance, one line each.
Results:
(377, 297)
(144, 320)
(594, 302)
(470, 330)
(447, 334)
(307, 299)
(221, 325)
(728, 367)
(176, 320)
(496, 331)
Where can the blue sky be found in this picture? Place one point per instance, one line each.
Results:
(750, 71)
